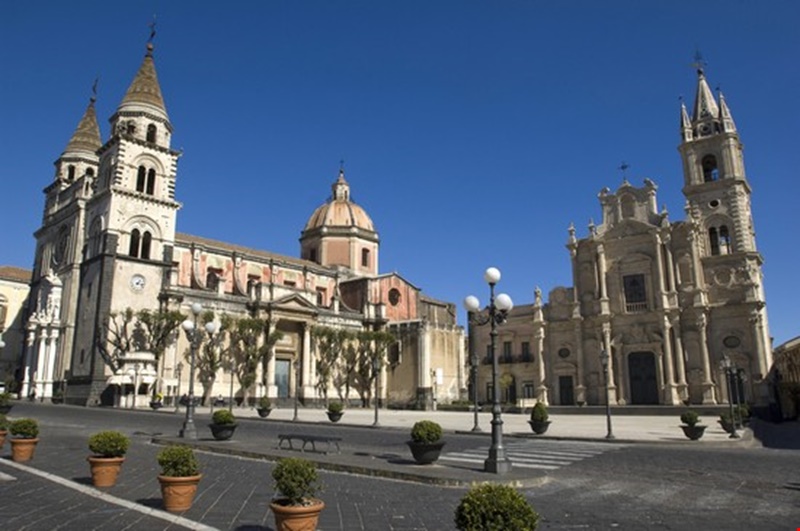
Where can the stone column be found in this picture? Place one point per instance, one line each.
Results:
(41, 358)
(49, 368)
(670, 267)
(612, 387)
(670, 389)
(541, 378)
(580, 388)
(601, 266)
(681, 367)
(27, 373)
(709, 391)
(308, 364)
(271, 388)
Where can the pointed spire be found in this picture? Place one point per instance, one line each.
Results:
(725, 117)
(705, 107)
(144, 89)
(686, 124)
(86, 137)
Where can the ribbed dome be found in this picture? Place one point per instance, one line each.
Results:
(340, 211)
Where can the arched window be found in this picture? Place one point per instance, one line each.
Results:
(151, 181)
(146, 241)
(90, 172)
(212, 280)
(710, 169)
(724, 240)
(365, 257)
(134, 247)
(151, 133)
(70, 172)
(713, 239)
(140, 179)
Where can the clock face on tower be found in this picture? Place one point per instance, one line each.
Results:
(137, 282)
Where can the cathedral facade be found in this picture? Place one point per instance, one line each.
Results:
(669, 302)
(108, 243)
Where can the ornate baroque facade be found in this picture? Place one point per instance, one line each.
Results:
(108, 242)
(667, 300)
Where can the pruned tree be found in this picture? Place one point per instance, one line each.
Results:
(271, 337)
(329, 344)
(154, 331)
(212, 352)
(371, 349)
(244, 348)
(115, 338)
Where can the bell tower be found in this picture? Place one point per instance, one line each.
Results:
(729, 303)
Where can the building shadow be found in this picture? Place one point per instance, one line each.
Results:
(781, 435)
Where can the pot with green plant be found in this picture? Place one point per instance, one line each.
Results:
(24, 437)
(5, 403)
(726, 422)
(295, 506)
(539, 418)
(335, 411)
(426, 442)
(492, 506)
(264, 407)
(223, 424)
(180, 475)
(690, 427)
(58, 397)
(3, 429)
(108, 453)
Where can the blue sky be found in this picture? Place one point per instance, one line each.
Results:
(472, 132)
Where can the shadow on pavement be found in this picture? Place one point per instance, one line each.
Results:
(253, 528)
(83, 480)
(153, 503)
(782, 435)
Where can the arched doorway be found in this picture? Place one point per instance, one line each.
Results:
(642, 374)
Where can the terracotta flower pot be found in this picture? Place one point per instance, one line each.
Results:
(178, 493)
(22, 449)
(105, 470)
(3, 434)
(296, 517)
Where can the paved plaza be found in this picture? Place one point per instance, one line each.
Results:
(372, 484)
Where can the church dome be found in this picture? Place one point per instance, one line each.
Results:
(339, 211)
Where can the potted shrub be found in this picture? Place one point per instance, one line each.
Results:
(3, 429)
(223, 424)
(58, 397)
(726, 422)
(493, 506)
(426, 443)
(335, 411)
(24, 436)
(264, 407)
(5, 403)
(180, 474)
(296, 507)
(108, 453)
(539, 416)
(690, 426)
(744, 414)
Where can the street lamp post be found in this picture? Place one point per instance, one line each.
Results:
(376, 367)
(474, 374)
(497, 312)
(178, 371)
(604, 361)
(232, 367)
(195, 336)
(727, 366)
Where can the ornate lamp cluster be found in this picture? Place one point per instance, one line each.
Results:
(495, 314)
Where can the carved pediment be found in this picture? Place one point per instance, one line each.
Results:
(294, 303)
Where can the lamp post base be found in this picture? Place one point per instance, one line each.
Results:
(188, 431)
(497, 465)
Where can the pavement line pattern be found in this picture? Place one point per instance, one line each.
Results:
(533, 454)
(149, 511)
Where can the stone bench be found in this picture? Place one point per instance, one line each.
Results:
(286, 441)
